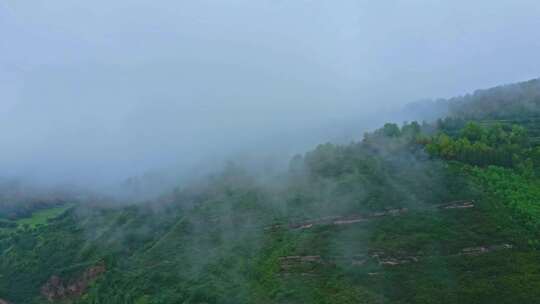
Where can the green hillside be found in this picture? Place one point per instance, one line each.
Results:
(443, 212)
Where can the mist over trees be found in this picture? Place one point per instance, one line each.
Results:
(269, 152)
(338, 225)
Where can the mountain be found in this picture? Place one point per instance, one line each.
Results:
(442, 212)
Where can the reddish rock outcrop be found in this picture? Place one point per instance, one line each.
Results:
(57, 289)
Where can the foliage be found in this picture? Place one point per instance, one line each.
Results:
(483, 145)
(223, 239)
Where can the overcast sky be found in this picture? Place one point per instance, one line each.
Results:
(106, 89)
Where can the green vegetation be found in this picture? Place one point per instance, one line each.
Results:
(418, 213)
(519, 193)
(41, 217)
(498, 144)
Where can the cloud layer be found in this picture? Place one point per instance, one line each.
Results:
(100, 90)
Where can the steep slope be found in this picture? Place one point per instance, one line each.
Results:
(443, 213)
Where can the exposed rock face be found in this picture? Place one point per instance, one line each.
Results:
(56, 289)
(307, 265)
(484, 249)
(302, 265)
(340, 220)
(389, 260)
(289, 261)
(458, 205)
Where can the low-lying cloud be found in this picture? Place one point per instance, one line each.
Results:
(95, 92)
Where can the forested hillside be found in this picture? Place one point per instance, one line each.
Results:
(419, 212)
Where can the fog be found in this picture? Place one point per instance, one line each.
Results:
(92, 92)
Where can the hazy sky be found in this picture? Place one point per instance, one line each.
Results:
(105, 89)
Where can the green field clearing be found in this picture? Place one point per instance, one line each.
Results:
(42, 216)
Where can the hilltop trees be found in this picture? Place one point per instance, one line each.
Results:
(475, 144)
